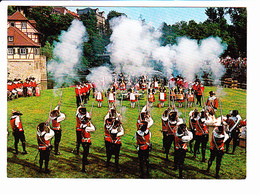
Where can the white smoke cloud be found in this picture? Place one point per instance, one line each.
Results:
(135, 49)
(67, 54)
(101, 76)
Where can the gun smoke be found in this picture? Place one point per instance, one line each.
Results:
(67, 54)
(136, 49)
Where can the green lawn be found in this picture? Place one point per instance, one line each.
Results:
(35, 110)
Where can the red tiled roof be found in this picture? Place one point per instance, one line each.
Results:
(73, 14)
(20, 39)
(17, 16)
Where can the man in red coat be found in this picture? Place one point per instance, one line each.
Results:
(143, 136)
(198, 90)
(18, 131)
(218, 139)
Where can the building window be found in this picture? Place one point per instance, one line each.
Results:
(10, 38)
(23, 25)
(12, 23)
(23, 51)
(10, 51)
(37, 51)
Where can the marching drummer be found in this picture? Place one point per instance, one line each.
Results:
(162, 95)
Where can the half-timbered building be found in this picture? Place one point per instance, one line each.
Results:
(23, 50)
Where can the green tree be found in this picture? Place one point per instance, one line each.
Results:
(49, 24)
(47, 50)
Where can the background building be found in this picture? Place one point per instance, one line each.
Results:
(23, 50)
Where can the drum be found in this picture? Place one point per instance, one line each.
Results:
(162, 96)
(37, 91)
(150, 98)
(190, 98)
(29, 91)
(179, 96)
(20, 92)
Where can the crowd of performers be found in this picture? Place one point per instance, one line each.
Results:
(18, 88)
(177, 132)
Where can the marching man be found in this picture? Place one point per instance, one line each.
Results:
(132, 97)
(56, 117)
(99, 98)
(18, 131)
(162, 95)
(113, 133)
(198, 89)
(201, 134)
(44, 136)
(212, 102)
(219, 137)
(233, 120)
(143, 136)
(81, 112)
(173, 122)
(181, 138)
(111, 97)
(86, 127)
(145, 116)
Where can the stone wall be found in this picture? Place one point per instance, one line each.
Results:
(28, 68)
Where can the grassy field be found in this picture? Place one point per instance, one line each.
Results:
(35, 110)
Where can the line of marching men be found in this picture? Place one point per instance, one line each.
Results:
(174, 129)
(18, 88)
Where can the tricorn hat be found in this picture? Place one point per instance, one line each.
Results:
(41, 127)
(54, 113)
(82, 110)
(14, 112)
(211, 93)
(143, 125)
(172, 115)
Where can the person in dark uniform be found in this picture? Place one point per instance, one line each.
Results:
(143, 136)
(113, 132)
(233, 121)
(56, 117)
(218, 139)
(18, 131)
(201, 135)
(44, 136)
(86, 128)
(181, 138)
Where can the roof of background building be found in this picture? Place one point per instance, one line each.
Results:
(19, 38)
(17, 16)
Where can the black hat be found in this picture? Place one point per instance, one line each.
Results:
(143, 125)
(172, 115)
(41, 127)
(211, 93)
(234, 113)
(54, 113)
(220, 129)
(82, 110)
(181, 129)
(16, 112)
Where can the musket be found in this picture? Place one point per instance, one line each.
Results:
(48, 120)
(169, 94)
(185, 109)
(91, 109)
(60, 97)
(203, 101)
(220, 111)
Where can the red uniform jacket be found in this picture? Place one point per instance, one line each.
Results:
(179, 144)
(42, 143)
(201, 128)
(143, 141)
(14, 126)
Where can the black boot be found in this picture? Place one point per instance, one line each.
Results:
(24, 151)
